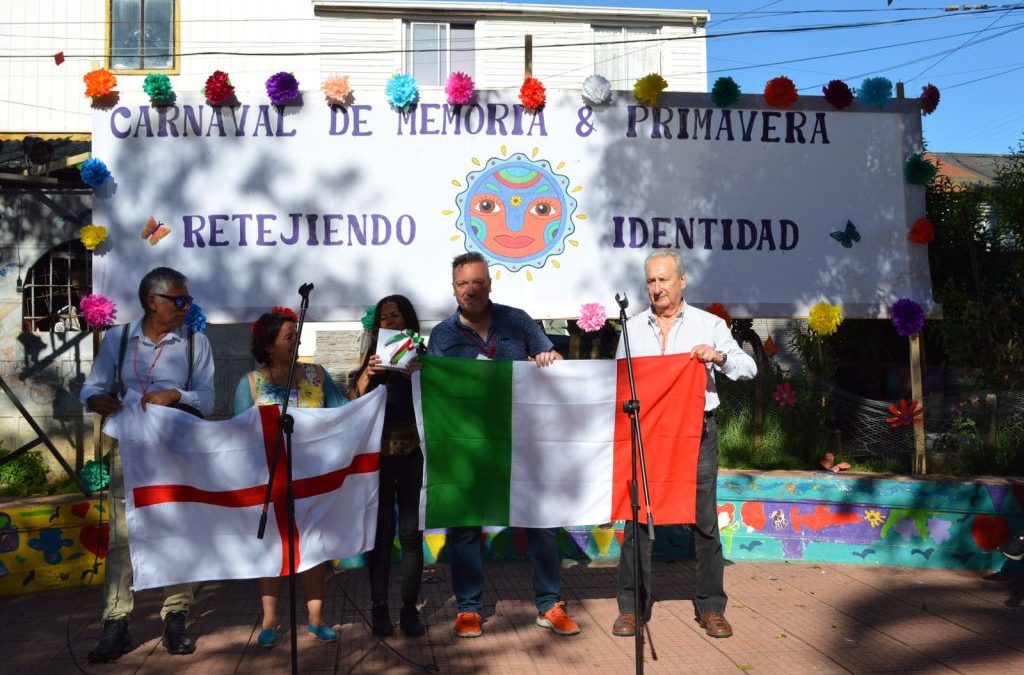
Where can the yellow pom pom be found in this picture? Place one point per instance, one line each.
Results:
(824, 319)
(92, 236)
(648, 88)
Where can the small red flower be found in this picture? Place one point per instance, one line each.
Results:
(784, 394)
(218, 88)
(922, 232)
(905, 415)
(532, 94)
(285, 312)
(769, 347)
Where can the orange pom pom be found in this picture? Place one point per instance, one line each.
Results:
(780, 92)
(99, 83)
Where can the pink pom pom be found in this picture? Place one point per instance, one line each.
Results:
(459, 88)
(98, 310)
(592, 317)
(337, 90)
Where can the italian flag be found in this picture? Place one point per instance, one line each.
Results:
(508, 443)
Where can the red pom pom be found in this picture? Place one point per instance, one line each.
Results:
(838, 93)
(929, 99)
(532, 94)
(780, 92)
(922, 232)
(218, 88)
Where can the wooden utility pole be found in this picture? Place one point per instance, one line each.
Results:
(917, 394)
(528, 55)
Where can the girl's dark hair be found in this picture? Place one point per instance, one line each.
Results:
(264, 332)
(412, 322)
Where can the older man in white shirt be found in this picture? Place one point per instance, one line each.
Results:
(670, 326)
(167, 364)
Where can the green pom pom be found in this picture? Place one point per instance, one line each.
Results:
(368, 319)
(94, 475)
(158, 87)
(725, 92)
(919, 171)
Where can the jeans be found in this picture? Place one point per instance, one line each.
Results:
(401, 476)
(468, 571)
(710, 597)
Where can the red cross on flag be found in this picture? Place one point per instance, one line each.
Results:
(194, 490)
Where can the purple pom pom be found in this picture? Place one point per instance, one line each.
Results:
(907, 317)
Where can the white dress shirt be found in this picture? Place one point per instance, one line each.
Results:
(691, 327)
(152, 367)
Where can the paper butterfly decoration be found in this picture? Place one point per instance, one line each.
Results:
(848, 236)
(154, 231)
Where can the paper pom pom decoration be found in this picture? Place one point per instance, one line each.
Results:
(218, 88)
(596, 90)
(725, 92)
(918, 170)
(532, 94)
(94, 475)
(875, 92)
(784, 394)
(592, 317)
(824, 319)
(337, 90)
(838, 93)
(907, 316)
(402, 91)
(94, 172)
(647, 89)
(718, 309)
(158, 88)
(99, 83)
(929, 99)
(904, 415)
(282, 88)
(780, 92)
(460, 88)
(195, 318)
(769, 347)
(922, 232)
(92, 236)
(368, 318)
(98, 310)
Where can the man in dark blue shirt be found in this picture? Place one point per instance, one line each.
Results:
(481, 329)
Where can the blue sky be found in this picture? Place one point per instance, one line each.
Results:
(973, 57)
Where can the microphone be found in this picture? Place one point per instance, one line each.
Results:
(622, 300)
(304, 290)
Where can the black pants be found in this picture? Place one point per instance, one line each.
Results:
(710, 595)
(401, 476)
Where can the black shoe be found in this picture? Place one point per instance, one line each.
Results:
(410, 622)
(1014, 547)
(114, 641)
(382, 621)
(176, 638)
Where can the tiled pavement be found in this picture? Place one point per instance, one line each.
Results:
(788, 618)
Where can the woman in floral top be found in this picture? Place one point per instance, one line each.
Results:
(273, 338)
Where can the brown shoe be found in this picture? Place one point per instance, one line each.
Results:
(625, 625)
(716, 625)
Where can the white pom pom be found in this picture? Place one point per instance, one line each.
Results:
(597, 90)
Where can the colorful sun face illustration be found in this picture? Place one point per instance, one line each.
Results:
(516, 211)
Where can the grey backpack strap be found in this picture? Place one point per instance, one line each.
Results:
(191, 354)
(117, 388)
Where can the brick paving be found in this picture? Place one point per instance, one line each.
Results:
(789, 618)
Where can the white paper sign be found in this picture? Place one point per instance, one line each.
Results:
(396, 348)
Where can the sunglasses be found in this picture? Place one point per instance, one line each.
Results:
(180, 301)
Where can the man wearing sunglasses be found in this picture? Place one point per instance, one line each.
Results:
(159, 358)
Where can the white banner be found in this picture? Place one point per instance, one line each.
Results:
(565, 203)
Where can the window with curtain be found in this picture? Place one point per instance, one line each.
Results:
(142, 35)
(437, 49)
(621, 55)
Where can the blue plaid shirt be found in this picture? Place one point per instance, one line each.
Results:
(511, 336)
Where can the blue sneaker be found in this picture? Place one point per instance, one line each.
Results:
(323, 632)
(267, 637)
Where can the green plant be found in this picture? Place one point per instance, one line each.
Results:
(24, 475)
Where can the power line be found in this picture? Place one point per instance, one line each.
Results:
(968, 41)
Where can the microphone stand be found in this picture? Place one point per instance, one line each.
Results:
(636, 455)
(286, 425)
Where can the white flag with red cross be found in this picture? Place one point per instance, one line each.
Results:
(194, 490)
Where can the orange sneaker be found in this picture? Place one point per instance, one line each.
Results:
(557, 620)
(467, 625)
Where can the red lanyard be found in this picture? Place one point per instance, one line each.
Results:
(144, 383)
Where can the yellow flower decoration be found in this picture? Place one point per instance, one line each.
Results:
(648, 88)
(92, 236)
(516, 200)
(873, 517)
(824, 319)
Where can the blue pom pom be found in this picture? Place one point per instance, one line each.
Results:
(402, 91)
(875, 92)
(94, 172)
(195, 319)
